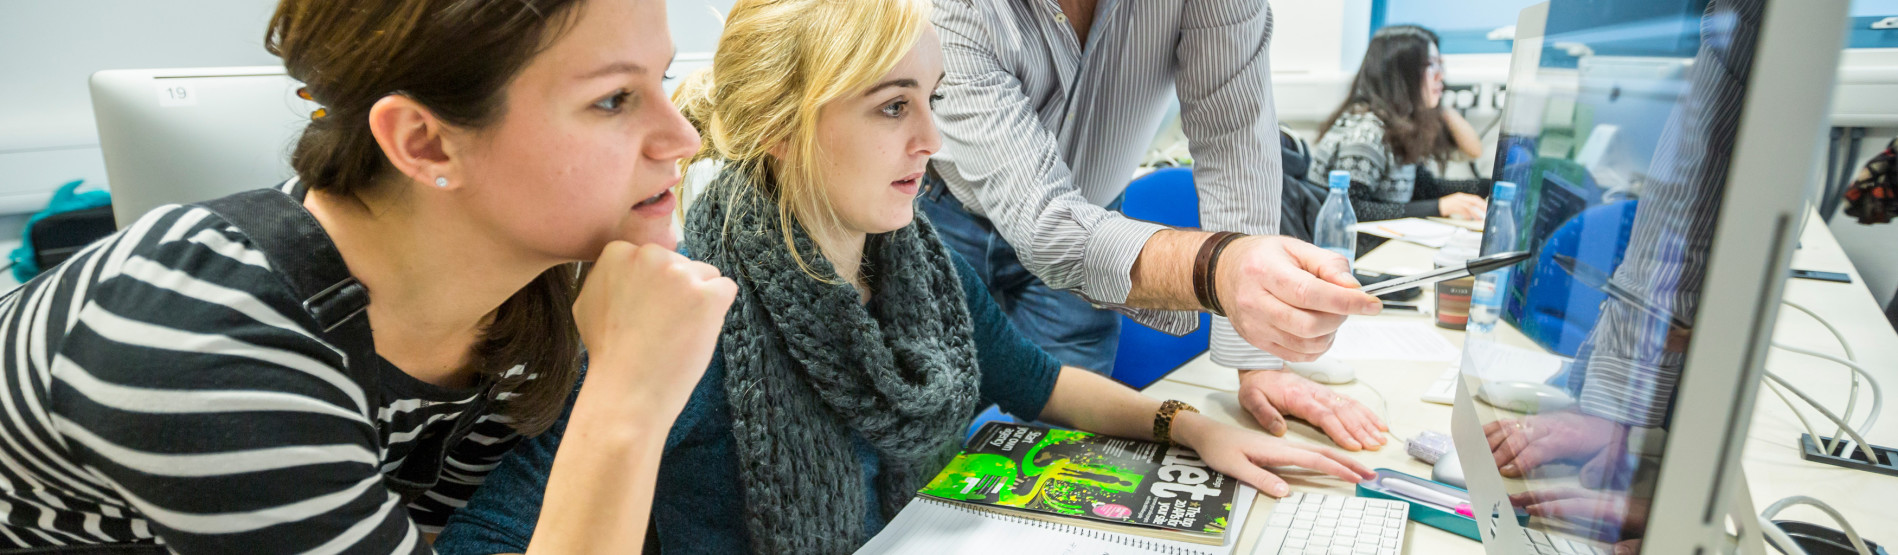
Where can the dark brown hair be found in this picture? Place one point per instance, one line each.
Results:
(1390, 85)
(456, 58)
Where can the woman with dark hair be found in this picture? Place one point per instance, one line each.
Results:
(1393, 121)
(334, 365)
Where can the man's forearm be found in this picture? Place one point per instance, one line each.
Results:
(1163, 275)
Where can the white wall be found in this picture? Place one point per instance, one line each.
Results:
(47, 135)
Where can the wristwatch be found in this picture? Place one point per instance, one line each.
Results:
(1163, 419)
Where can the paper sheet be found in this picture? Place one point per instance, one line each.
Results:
(1391, 340)
(1415, 230)
(1472, 225)
(1357, 340)
(1493, 361)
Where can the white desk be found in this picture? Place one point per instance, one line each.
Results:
(1772, 461)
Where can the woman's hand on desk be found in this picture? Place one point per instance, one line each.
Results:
(1271, 395)
(1463, 206)
(1243, 454)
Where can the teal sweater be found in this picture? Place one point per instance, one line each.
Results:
(698, 504)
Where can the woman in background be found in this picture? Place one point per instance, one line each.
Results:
(860, 347)
(1393, 121)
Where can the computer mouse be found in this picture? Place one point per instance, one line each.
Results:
(1324, 371)
(1525, 397)
(1449, 470)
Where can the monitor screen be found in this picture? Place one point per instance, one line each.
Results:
(1621, 124)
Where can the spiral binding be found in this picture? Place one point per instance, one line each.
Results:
(1128, 540)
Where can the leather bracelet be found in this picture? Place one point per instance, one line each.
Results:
(1163, 419)
(1202, 269)
(1212, 273)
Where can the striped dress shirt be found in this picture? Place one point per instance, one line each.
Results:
(1040, 132)
(1631, 373)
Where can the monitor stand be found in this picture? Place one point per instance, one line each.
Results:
(1744, 516)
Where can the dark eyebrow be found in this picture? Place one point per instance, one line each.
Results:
(905, 82)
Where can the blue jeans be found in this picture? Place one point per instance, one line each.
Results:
(1075, 332)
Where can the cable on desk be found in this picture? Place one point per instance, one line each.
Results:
(1779, 537)
(1385, 413)
(1851, 362)
(1781, 393)
(1870, 454)
(1766, 521)
(1878, 394)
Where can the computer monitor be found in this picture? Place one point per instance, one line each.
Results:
(188, 135)
(1662, 149)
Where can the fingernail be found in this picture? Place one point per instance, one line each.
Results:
(1509, 468)
(1371, 309)
(1281, 490)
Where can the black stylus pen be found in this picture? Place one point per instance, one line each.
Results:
(1473, 267)
(1601, 281)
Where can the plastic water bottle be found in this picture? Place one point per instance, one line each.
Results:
(1333, 231)
(1499, 236)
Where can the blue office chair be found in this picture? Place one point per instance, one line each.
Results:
(992, 414)
(1559, 311)
(1165, 197)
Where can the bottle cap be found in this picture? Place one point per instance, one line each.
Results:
(1340, 179)
(1503, 191)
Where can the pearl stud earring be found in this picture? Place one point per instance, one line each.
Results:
(441, 182)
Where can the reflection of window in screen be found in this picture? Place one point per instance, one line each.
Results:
(1864, 14)
(1465, 24)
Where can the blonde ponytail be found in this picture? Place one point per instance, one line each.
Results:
(694, 99)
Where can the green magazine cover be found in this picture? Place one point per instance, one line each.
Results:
(1081, 475)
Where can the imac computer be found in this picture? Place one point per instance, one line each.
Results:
(188, 135)
(1661, 151)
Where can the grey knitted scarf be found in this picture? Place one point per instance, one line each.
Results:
(807, 366)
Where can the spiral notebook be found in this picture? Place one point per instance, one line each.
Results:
(930, 525)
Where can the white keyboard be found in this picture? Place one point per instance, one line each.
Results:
(1443, 391)
(1555, 545)
(1309, 523)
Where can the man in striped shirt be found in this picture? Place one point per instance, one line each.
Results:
(1048, 105)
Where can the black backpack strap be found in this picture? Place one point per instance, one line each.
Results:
(300, 251)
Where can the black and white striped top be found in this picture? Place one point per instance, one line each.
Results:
(162, 387)
(1040, 132)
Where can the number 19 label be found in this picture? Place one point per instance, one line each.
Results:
(172, 95)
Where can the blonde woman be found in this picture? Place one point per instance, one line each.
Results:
(859, 347)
